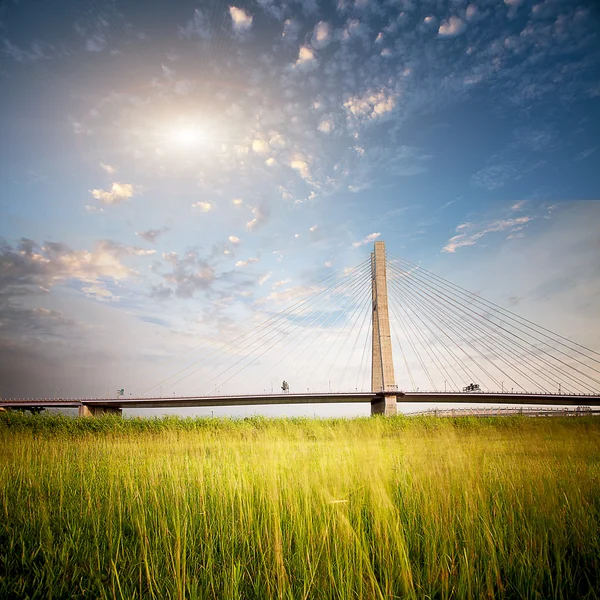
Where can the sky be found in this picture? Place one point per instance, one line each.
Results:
(177, 172)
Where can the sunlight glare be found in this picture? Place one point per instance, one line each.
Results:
(186, 136)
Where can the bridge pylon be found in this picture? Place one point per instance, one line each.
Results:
(382, 367)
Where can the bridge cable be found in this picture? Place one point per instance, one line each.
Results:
(493, 339)
(511, 315)
(406, 305)
(429, 349)
(442, 343)
(256, 357)
(358, 333)
(471, 345)
(408, 335)
(465, 309)
(365, 305)
(341, 288)
(303, 336)
(368, 337)
(312, 318)
(243, 339)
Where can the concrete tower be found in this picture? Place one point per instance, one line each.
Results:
(382, 366)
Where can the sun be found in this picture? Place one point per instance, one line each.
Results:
(186, 136)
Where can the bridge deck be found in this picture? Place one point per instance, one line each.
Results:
(308, 398)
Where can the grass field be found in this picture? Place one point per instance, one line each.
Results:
(256, 508)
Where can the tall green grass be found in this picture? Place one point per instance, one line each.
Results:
(369, 508)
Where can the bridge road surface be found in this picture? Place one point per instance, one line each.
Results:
(308, 398)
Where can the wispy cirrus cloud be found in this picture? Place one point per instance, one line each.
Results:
(471, 233)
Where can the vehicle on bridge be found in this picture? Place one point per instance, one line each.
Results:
(472, 387)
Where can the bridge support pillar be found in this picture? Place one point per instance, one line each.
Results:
(382, 365)
(87, 410)
(385, 405)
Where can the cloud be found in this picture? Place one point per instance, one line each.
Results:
(261, 147)
(237, 201)
(234, 240)
(197, 27)
(299, 163)
(108, 168)
(278, 284)
(325, 126)
(321, 34)
(31, 268)
(99, 293)
(452, 27)
(151, 235)
(203, 206)
(260, 216)
(305, 57)
(370, 238)
(241, 20)
(518, 205)
(189, 273)
(119, 192)
(495, 176)
(245, 263)
(313, 228)
(371, 105)
(262, 280)
(475, 233)
(471, 12)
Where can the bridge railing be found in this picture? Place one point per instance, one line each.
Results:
(579, 411)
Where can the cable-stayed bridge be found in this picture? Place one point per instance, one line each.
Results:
(384, 331)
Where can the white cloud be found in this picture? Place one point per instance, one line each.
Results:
(299, 163)
(370, 238)
(325, 126)
(321, 34)
(244, 263)
(260, 216)
(270, 162)
(241, 20)
(237, 201)
(278, 284)
(108, 168)
(471, 238)
(518, 205)
(313, 228)
(452, 27)
(99, 292)
(429, 22)
(305, 56)
(328, 264)
(203, 206)
(371, 105)
(262, 280)
(234, 239)
(261, 147)
(119, 192)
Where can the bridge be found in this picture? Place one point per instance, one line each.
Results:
(459, 346)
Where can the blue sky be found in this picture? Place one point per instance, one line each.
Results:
(172, 171)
